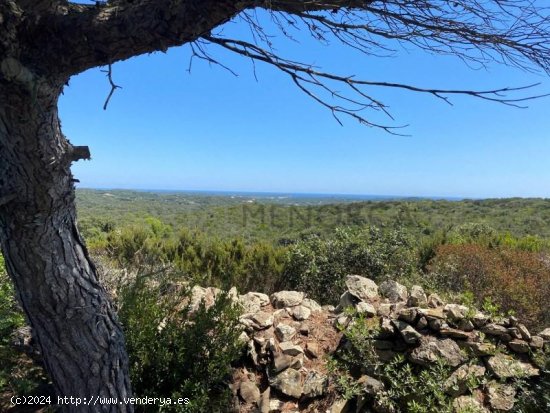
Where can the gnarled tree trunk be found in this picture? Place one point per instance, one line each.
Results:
(42, 44)
(74, 323)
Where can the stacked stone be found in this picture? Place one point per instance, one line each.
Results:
(288, 336)
(282, 350)
(425, 330)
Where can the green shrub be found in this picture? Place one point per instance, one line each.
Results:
(319, 265)
(408, 388)
(138, 246)
(473, 233)
(175, 352)
(204, 259)
(10, 315)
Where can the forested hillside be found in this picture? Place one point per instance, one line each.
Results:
(272, 218)
(154, 250)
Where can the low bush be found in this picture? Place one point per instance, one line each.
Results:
(203, 259)
(319, 265)
(176, 352)
(515, 280)
(407, 387)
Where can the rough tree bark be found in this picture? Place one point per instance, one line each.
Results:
(40, 48)
(75, 325)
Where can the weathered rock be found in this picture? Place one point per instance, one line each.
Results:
(501, 397)
(519, 346)
(457, 383)
(284, 332)
(479, 319)
(403, 331)
(397, 307)
(370, 385)
(197, 295)
(436, 324)
(341, 322)
(409, 334)
(297, 362)
(497, 330)
(417, 297)
(468, 404)
(243, 338)
(524, 332)
(347, 300)
(366, 308)
(504, 366)
(313, 305)
(513, 332)
(432, 313)
(249, 392)
(288, 382)
(454, 333)
(251, 351)
(465, 325)
(455, 312)
(264, 401)
(283, 299)
(434, 301)
(478, 348)
(387, 329)
(276, 405)
(329, 308)
(393, 291)
(301, 313)
(281, 362)
(408, 315)
(271, 345)
(422, 323)
(252, 302)
(363, 288)
(262, 320)
(384, 310)
(432, 349)
(312, 350)
(340, 406)
(545, 334)
(512, 321)
(537, 342)
(287, 347)
(315, 385)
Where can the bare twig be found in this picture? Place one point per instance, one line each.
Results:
(510, 32)
(308, 78)
(114, 86)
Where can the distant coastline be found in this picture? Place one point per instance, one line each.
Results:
(283, 195)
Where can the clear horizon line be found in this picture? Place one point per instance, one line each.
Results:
(317, 194)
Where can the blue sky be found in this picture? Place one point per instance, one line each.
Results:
(209, 130)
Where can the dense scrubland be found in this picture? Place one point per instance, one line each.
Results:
(491, 254)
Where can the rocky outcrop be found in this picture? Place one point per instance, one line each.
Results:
(289, 336)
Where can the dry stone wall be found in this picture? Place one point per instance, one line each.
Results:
(289, 339)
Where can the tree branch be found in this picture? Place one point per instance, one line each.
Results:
(78, 37)
(114, 86)
(308, 79)
(75, 37)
